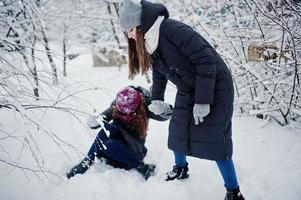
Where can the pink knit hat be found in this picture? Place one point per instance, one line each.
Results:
(128, 100)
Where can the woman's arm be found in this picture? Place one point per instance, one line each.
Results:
(159, 82)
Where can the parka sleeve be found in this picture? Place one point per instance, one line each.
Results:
(107, 114)
(159, 82)
(198, 51)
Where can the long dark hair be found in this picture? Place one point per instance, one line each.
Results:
(139, 59)
(138, 121)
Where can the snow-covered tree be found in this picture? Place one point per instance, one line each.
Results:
(27, 74)
(267, 88)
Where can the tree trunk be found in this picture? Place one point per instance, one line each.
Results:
(34, 70)
(65, 56)
(48, 52)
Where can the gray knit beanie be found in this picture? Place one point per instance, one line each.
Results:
(129, 14)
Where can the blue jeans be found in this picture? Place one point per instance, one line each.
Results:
(226, 168)
(112, 149)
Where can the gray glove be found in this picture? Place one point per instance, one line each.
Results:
(92, 121)
(167, 109)
(159, 107)
(199, 112)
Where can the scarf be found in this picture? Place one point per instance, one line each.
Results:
(152, 36)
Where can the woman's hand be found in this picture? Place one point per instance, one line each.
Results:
(156, 107)
(159, 107)
(199, 112)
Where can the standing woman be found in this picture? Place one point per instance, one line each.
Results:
(201, 120)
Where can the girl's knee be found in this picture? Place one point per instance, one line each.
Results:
(102, 136)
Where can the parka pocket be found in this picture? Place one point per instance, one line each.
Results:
(206, 133)
(179, 123)
(218, 110)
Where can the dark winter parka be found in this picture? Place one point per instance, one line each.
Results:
(127, 134)
(186, 59)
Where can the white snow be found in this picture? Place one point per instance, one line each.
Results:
(266, 155)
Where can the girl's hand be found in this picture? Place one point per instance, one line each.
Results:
(92, 121)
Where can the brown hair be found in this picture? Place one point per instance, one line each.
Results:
(139, 121)
(139, 59)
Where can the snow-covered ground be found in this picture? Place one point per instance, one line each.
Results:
(266, 155)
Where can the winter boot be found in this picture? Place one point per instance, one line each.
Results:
(146, 170)
(80, 168)
(234, 195)
(177, 173)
